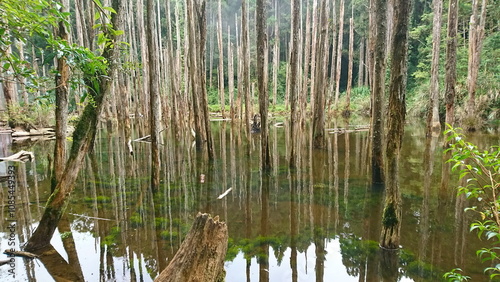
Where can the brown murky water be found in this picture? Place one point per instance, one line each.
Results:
(318, 222)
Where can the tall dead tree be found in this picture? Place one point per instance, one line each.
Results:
(230, 73)
(262, 81)
(451, 61)
(433, 114)
(391, 220)
(293, 80)
(377, 75)
(197, 38)
(245, 68)
(154, 92)
(476, 38)
(339, 52)
(347, 110)
(276, 52)
(221, 60)
(318, 129)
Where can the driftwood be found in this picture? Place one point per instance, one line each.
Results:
(201, 254)
(6, 261)
(20, 254)
(21, 156)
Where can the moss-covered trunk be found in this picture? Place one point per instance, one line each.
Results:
(98, 84)
(396, 118)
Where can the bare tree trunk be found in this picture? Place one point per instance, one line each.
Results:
(338, 69)
(262, 81)
(476, 37)
(83, 138)
(451, 61)
(201, 255)
(230, 73)
(347, 111)
(318, 132)
(8, 86)
(391, 220)
(154, 92)
(276, 53)
(361, 67)
(377, 89)
(221, 62)
(314, 46)
(61, 111)
(245, 65)
(434, 127)
(293, 81)
(307, 61)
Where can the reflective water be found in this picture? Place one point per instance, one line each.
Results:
(318, 222)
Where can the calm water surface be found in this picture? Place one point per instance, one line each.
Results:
(317, 222)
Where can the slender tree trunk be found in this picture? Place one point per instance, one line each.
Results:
(83, 138)
(377, 89)
(230, 73)
(391, 220)
(314, 46)
(144, 59)
(61, 111)
(262, 81)
(154, 92)
(451, 61)
(433, 124)
(361, 67)
(293, 81)
(221, 62)
(245, 65)
(8, 87)
(307, 60)
(318, 132)
(476, 37)
(338, 69)
(193, 72)
(347, 111)
(276, 53)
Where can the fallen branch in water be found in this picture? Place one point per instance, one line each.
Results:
(21, 156)
(20, 254)
(225, 193)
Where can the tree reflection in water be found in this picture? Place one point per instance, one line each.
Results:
(317, 221)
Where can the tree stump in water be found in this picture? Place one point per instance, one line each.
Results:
(201, 254)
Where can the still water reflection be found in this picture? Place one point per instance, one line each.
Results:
(317, 222)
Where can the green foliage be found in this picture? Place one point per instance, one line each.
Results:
(480, 170)
(455, 276)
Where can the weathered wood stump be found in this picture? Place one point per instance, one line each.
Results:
(201, 254)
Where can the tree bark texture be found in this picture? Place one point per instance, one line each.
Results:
(294, 103)
(433, 114)
(391, 220)
(154, 92)
(201, 255)
(262, 81)
(318, 132)
(451, 61)
(221, 60)
(476, 37)
(377, 89)
(61, 111)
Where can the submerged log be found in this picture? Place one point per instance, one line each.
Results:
(201, 254)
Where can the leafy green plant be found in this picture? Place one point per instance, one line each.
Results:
(481, 171)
